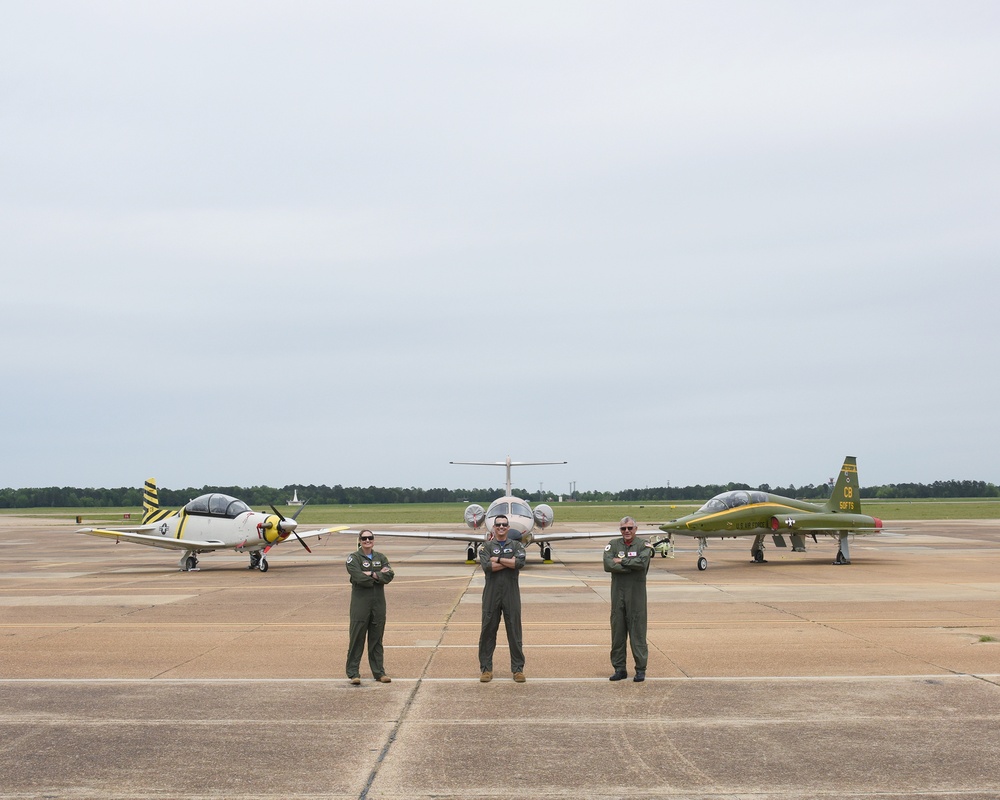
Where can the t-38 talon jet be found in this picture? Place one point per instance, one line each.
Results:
(213, 521)
(757, 514)
(523, 520)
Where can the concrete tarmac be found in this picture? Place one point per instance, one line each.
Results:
(121, 677)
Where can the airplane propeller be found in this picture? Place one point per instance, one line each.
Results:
(288, 525)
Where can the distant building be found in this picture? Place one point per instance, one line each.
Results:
(295, 499)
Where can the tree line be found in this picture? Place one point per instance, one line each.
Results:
(261, 496)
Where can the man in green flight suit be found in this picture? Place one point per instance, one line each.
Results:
(627, 559)
(370, 572)
(501, 558)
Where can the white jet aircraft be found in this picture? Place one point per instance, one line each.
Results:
(213, 521)
(523, 520)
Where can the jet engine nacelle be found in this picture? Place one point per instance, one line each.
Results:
(543, 516)
(475, 516)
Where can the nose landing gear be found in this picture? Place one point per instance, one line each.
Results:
(702, 561)
(257, 561)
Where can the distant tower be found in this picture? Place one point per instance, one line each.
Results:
(295, 499)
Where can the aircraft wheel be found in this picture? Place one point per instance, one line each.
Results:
(190, 563)
(546, 553)
(263, 564)
(840, 558)
(702, 563)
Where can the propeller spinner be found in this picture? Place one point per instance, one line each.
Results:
(287, 526)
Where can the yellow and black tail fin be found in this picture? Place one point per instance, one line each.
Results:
(847, 491)
(151, 511)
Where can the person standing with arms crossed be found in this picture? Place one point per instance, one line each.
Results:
(501, 558)
(627, 559)
(370, 572)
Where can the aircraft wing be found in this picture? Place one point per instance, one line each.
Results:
(480, 537)
(137, 536)
(455, 537)
(557, 537)
(321, 531)
(821, 527)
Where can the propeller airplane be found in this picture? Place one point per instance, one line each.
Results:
(757, 514)
(213, 521)
(524, 520)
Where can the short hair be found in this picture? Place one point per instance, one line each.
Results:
(500, 515)
(628, 519)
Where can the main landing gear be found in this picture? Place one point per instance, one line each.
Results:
(470, 553)
(188, 562)
(757, 550)
(546, 553)
(257, 561)
(843, 550)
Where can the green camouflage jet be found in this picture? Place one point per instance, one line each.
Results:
(757, 514)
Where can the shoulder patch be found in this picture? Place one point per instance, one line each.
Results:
(350, 559)
(607, 546)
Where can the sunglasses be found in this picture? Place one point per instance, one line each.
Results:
(627, 528)
(367, 538)
(501, 525)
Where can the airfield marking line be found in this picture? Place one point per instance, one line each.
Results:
(862, 635)
(602, 645)
(405, 711)
(949, 623)
(411, 581)
(934, 676)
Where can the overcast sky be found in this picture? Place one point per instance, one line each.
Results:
(255, 243)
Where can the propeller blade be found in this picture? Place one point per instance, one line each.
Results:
(277, 513)
(301, 541)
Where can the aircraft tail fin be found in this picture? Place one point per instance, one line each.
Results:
(151, 511)
(508, 463)
(847, 491)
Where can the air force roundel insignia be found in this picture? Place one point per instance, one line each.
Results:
(607, 547)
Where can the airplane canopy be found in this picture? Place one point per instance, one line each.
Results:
(520, 509)
(726, 500)
(217, 505)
